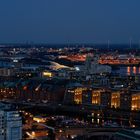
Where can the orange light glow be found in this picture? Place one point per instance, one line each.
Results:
(25, 88)
(134, 70)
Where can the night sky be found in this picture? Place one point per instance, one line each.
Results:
(69, 21)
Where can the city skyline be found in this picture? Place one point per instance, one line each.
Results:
(70, 69)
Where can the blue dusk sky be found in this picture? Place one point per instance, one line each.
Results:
(69, 21)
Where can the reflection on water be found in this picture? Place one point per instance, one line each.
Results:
(129, 70)
(134, 70)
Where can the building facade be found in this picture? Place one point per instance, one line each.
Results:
(10, 123)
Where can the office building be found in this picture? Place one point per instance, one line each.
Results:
(10, 123)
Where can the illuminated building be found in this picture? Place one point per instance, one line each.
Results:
(101, 97)
(121, 99)
(92, 66)
(78, 95)
(135, 101)
(10, 123)
(73, 94)
(115, 99)
(47, 74)
(7, 92)
(41, 89)
(106, 59)
(33, 89)
(96, 97)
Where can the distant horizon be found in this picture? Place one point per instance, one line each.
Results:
(53, 45)
(32, 43)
